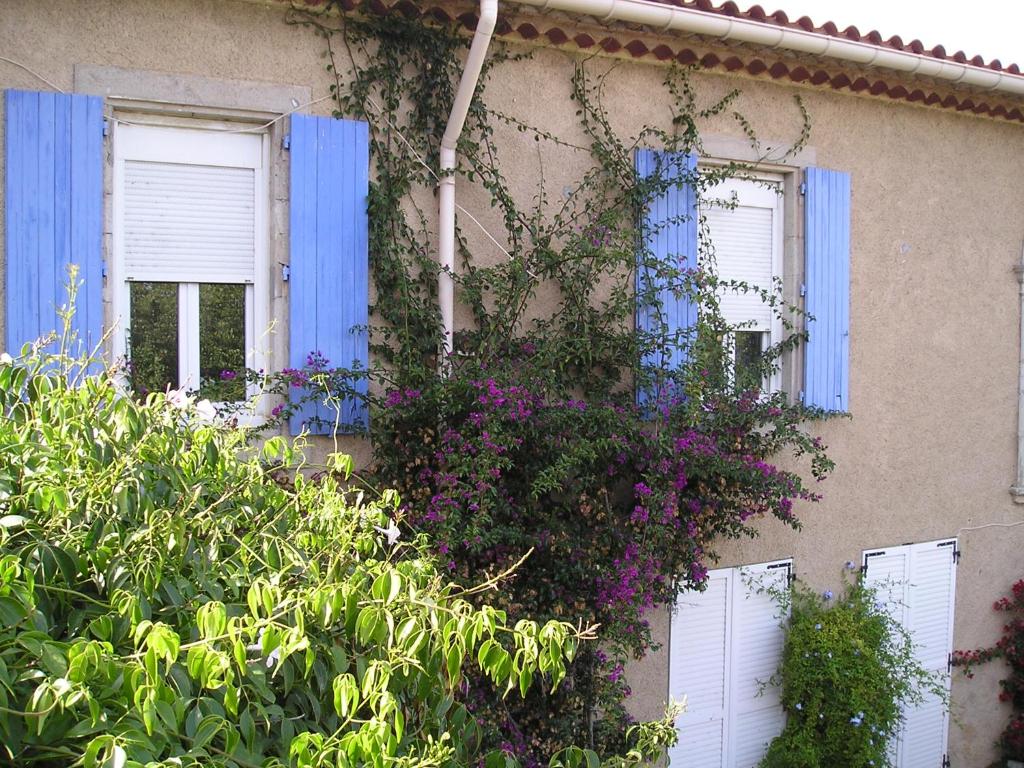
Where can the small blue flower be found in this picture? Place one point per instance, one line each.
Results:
(850, 565)
(799, 706)
(830, 654)
(827, 594)
(817, 626)
(879, 605)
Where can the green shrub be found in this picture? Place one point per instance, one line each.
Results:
(170, 597)
(847, 669)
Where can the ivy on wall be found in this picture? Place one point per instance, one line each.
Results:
(533, 450)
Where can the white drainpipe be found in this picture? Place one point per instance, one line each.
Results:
(446, 196)
(666, 18)
(1017, 491)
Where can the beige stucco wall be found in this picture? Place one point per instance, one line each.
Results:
(938, 222)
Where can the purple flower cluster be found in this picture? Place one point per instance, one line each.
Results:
(629, 585)
(400, 397)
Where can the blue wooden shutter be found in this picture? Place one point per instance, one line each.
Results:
(54, 215)
(330, 259)
(827, 267)
(669, 230)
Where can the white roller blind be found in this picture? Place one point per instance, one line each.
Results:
(918, 584)
(188, 205)
(724, 643)
(746, 240)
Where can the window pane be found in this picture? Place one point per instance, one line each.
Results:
(153, 340)
(749, 351)
(222, 341)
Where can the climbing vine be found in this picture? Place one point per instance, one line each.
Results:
(1010, 648)
(848, 670)
(534, 444)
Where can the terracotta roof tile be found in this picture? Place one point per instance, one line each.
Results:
(553, 32)
(779, 18)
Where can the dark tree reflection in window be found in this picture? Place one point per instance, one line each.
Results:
(222, 341)
(749, 362)
(153, 341)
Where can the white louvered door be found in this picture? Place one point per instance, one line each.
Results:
(698, 654)
(930, 621)
(757, 716)
(724, 643)
(917, 584)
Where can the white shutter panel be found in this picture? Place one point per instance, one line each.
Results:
(917, 583)
(887, 571)
(756, 714)
(188, 204)
(698, 657)
(930, 621)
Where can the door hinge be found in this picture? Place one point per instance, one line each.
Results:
(949, 663)
(864, 568)
(801, 395)
(286, 272)
(103, 269)
(803, 187)
(106, 127)
(803, 289)
(286, 141)
(956, 551)
(945, 761)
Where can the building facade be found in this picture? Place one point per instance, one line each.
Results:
(209, 99)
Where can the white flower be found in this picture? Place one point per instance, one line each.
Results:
(177, 398)
(6, 359)
(272, 659)
(206, 410)
(391, 533)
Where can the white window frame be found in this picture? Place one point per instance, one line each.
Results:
(739, 581)
(195, 142)
(759, 190)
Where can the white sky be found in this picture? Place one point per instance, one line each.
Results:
(992, 28)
